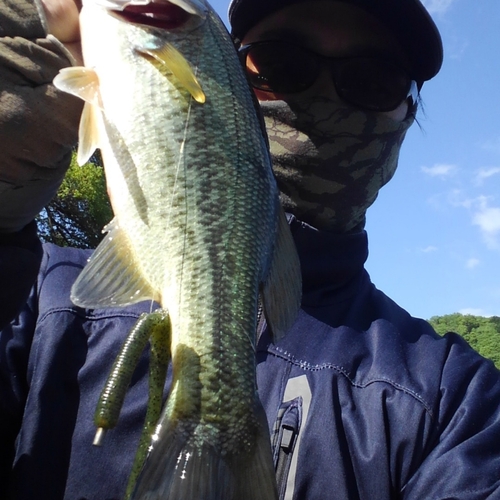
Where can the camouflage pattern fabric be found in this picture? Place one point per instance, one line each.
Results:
(330, 161)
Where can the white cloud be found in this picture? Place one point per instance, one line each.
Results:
(440, 170)
(472, 263)
(483, 214)
(488, 220)
(429, 249)
(437, 6)
(492, 145)
(456, 198)
(486, 173)
(474, 311)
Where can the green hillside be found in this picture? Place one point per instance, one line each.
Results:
(483, 334)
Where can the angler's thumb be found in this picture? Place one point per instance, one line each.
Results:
(62, 21)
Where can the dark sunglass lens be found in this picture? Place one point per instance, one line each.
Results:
(372, 83)
(280, 67)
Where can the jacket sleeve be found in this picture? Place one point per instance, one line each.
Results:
(15, 344)
(463, 460)
(38, 124)
(20, 257)
(37, 132)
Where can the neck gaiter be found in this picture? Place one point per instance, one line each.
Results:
(330, 160)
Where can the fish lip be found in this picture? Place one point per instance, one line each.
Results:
(194, 7)
(161, 14)
(153, 14)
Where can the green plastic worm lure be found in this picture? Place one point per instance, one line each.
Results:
(153, 327)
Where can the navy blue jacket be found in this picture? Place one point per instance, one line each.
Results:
(363, 401)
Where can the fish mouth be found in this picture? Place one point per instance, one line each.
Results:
(164, 15)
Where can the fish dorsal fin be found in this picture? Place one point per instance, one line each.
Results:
(282, 291)
(111, 277)
(171, 59)
(83, 83)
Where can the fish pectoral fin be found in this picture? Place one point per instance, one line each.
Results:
(111, 277)
(88, 134)
(171, 59)
(282, 291)
(83, 83)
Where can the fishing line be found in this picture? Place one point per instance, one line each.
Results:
(182, 159)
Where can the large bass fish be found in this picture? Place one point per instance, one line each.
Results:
(198, 228)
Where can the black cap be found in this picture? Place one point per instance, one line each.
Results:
(408, 21)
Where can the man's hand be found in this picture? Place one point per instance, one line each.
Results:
(62, 19)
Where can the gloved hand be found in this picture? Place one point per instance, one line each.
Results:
(38, 123)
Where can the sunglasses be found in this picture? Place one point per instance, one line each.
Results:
(366, 82)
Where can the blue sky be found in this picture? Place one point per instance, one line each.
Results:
(434, 231)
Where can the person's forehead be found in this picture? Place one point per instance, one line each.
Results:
(331, 28)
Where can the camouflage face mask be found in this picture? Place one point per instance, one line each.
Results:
(330, 161)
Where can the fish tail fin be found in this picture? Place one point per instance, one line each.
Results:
(254, 474)
(179, 470)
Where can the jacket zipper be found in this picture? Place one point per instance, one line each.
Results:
(284, 459)
(287, 428)
(261, 322)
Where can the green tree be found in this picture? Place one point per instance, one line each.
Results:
(76, 215)
(483, 334)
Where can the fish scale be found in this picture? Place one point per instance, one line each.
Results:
(198, 227)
